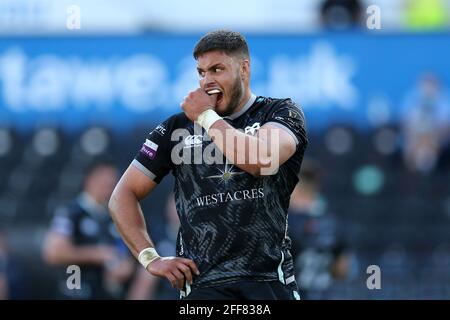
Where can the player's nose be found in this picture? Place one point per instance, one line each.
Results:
(209, 81)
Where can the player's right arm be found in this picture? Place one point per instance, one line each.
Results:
(126, 211)
(151, 164)
(127, 214)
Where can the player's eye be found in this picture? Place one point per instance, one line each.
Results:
(216, 70)
(201, 73)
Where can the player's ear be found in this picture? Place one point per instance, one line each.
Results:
(245, 69)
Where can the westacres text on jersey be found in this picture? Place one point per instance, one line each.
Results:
(223, 197)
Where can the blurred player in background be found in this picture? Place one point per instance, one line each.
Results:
(82, 233)
(14, 283)
(426, 124)
(319, 253)
(232, 243)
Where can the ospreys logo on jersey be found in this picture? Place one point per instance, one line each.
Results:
(252, 129)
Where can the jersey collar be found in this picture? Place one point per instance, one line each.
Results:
(247, 105)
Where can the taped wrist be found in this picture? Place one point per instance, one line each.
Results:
(147, 255)
(207, 118)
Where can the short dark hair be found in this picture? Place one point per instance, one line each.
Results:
(98, 163)
(230, 42)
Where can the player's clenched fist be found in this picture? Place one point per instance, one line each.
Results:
(196, 102)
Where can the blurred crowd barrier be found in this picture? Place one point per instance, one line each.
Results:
(354, 78)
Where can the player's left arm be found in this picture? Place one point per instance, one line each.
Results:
(261, 154)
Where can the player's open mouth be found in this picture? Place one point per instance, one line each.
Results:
(219, 95)
(219, 98)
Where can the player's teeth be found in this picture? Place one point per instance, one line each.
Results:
(213, 91)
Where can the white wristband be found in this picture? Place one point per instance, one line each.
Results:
(146, 256)
(207, 118)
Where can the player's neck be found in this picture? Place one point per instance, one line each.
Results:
(244, 100)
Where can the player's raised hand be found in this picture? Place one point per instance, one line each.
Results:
(176, 270)
(196, 102)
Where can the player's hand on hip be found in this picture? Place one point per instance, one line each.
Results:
(176, 270)
(196, 102)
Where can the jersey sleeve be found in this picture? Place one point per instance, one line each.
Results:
(153, 159)
(290, 117)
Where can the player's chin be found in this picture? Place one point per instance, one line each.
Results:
(221, 109)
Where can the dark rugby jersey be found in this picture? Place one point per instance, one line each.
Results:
(86, 223)
(233, 225)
